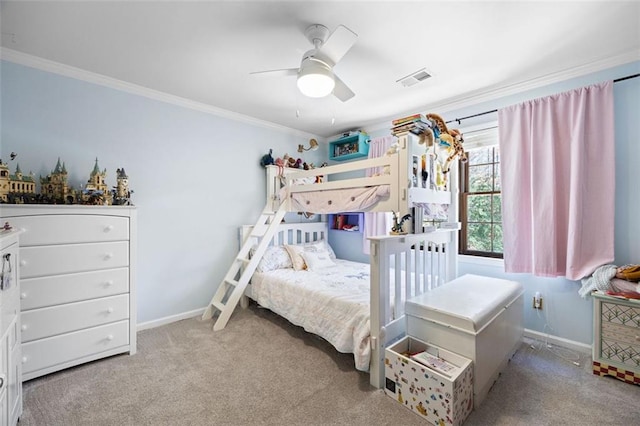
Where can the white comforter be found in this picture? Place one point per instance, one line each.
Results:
(332, 303)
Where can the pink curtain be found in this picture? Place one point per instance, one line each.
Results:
(558, 181)
(376, 223)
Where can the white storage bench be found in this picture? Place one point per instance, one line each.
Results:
(439, 388)
(478, 317)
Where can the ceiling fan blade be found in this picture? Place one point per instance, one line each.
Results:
(281, 72)
(341, 90)
(338, 43)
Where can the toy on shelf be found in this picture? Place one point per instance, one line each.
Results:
(55, 189)
(122, 193)
(96, 191)
(397, 229)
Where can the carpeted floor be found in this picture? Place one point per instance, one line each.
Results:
(261, 370)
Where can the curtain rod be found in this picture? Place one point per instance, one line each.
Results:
(495, 110)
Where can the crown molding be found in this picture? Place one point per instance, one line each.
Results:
(535, 83)
(47, 65)
(479, 96)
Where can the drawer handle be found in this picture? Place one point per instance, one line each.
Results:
(109, 310)
(24, 327)
(108, 283)
(108, 228)
(23, 295)
(108, 256)
(23, 262)
(110, 337)
(24, 359)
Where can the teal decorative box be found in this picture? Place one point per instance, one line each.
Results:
(349, 147)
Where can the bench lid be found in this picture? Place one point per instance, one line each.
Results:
(469, 302)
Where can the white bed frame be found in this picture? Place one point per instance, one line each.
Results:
(422, 269)
(419, 270)
(396, 170)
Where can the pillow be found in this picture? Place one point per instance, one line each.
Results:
(332, 255)
(321, 245)
(296, 252)
(316, 261)
(275, 257)
(295, 255)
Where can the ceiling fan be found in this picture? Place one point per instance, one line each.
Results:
(315, 75)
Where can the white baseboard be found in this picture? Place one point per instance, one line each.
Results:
(558, 341)
(168, 320)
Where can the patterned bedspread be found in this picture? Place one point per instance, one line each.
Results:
(332, 303)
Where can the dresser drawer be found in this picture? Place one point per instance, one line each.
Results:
(622, 334)
(68, 229)
(58, 289)
(64, 259)
(68, 347)
(46, 322)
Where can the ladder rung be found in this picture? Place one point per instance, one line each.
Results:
(243, 259)
(218, 305)
(231, 282)
(258, 232)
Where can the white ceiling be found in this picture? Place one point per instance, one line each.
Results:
(204, 51)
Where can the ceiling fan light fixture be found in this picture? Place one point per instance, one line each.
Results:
(315, 80)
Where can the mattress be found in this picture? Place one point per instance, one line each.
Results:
(332, 303)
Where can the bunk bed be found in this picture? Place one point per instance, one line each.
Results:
(401, 266)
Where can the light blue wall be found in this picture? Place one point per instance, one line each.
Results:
(196, 176)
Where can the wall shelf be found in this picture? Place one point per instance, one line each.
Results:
(346, 222)
(349, 147)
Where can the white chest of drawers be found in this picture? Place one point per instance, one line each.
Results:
(77, 270)
(616, 340)
(10, 352)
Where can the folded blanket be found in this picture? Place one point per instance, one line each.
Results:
(339, 200)
(600, 280)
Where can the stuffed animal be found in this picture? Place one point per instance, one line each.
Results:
(439, 122)
(267, 159)
(280, 163)
(449, 138)
(456, 150)
(393, 149)
(446, 139)
(427, 137)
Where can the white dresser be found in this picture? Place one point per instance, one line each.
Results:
(10, 355)
(77, 271)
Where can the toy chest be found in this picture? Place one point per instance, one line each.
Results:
(478, 317)
(439, 388)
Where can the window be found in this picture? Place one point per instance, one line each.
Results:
(480, 201)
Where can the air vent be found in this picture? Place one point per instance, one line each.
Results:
(414, 78)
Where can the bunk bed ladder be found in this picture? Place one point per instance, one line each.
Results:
(235, 281)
